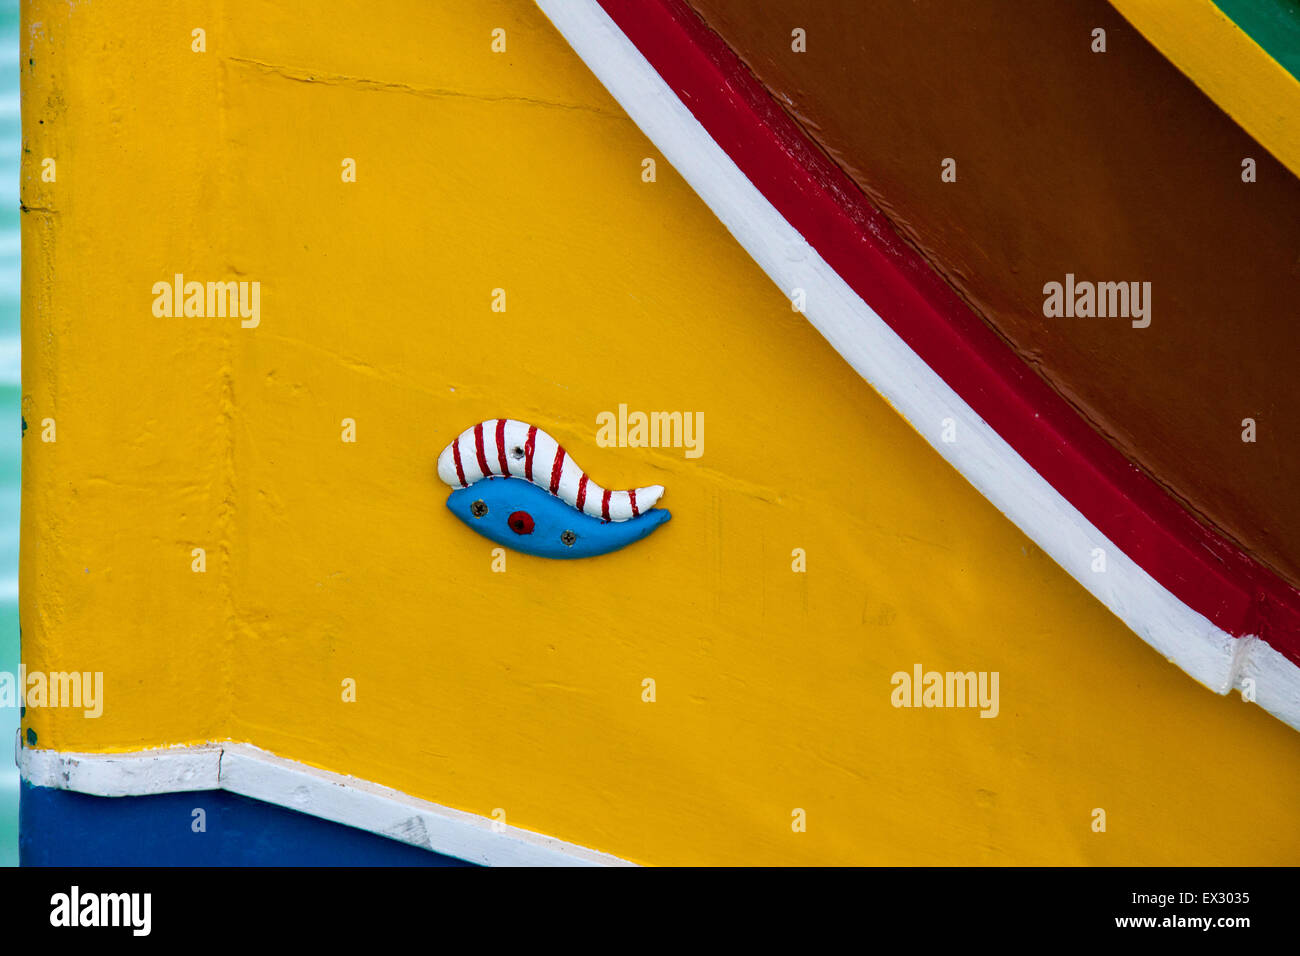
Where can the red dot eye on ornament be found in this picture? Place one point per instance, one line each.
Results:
(521, 522)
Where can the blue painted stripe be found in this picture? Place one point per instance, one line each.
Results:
(63, 828)
(554, 528)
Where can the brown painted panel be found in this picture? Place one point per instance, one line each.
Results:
(1110, 166)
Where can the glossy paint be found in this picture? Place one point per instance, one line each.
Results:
(516, 513)
(198, 828)
(1089, 174)
(526, 691)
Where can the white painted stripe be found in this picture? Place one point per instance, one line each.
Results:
(921, 396)
(516, 437)
(252, 772)
(136, 774)
(1276, 688)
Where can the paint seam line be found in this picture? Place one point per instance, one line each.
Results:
(249, 771)
(829, 214)
(1260, 94)
(897, 372)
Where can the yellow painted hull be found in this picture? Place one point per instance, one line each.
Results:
(330, 561)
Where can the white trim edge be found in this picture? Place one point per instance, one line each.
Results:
(252, 772)
(1210, 655)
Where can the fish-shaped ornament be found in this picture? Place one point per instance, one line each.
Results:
(517, 486)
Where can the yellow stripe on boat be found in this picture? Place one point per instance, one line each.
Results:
(1228, 66)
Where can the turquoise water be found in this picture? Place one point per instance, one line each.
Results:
(10, 429)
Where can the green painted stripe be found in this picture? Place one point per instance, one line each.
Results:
(1273, 24)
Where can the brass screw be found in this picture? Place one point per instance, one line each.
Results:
(478, 509)
(568, 537)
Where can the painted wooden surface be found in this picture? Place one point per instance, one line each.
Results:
(1088, 176)
(1242, 56)
(203, 828)
(1274, 25)
(522, 691)
(884, 309)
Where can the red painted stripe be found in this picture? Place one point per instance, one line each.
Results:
(460, 471)
(604, 506)
(555, 468)
(501, 446)
(528, 452)
(478, 448)
(582, 491)
(632, 496)
(1199, 566)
